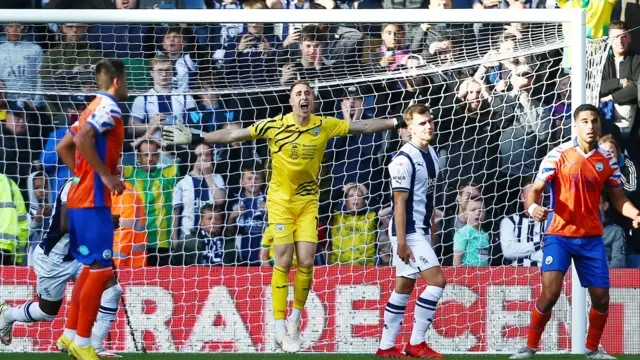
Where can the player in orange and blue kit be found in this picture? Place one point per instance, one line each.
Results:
(577, 172)
(91, 149)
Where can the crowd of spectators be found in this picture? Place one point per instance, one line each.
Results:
(207, 205)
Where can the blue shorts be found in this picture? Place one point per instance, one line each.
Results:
(588, 253)
(91, 235)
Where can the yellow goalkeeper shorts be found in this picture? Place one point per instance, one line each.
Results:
(291, 223)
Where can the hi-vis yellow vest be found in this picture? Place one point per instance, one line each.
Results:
(14, 224)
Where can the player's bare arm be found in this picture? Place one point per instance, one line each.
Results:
(537, 211)
(621, 203)
(400, 217)
(181, 135)
(66, 149)
(372, 126)
(84, 141)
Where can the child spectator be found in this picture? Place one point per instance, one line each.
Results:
(353, 231)
(40, 208)
(613, 237)
(205, 244)
(393, 52)
(471, 245)
(249, 215)
(185, 67)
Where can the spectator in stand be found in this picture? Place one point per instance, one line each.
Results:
(4, 105)
(451, 219)
(155, 186)
(630, 181)
(471, 245)
(249, 215)
(561, 111)
(619, 79)
(393, 52)
(158, 106)
(40, 209)
(613, 236)
(523, 145)
(199, 187)
(72, 106)
(204, 245)
(353, 230)
(71, 55)
(355, 159)
(184, 67)
(211, 111)
(250, 59)
(309, 66)
(15, 150)
(224, 34)
(123, 41)
(229, 160)
(14, 224)
(500, 63)
(520, 235)
(20, 65)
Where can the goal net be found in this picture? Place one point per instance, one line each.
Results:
(193, 251)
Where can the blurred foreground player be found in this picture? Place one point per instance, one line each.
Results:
(55, 266)
(297, 142)
(91, 149)
(577, 172)
(413, 172)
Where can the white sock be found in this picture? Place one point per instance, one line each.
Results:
(425, 309)
(106, 315)
(27, 313)
(82, 342)
(69, 334)
(280, 328)
(296, 315)
(393, 316)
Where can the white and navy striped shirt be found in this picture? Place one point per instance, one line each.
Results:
(189, 195)
(55, 243)
(520, 238)
(415, 171)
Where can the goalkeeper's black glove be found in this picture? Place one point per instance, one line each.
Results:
(398, 122)
(197, 139)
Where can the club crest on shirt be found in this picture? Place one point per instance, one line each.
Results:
(106, 254)
(295, 151)
(279, 228)
(316, 131)
(548, 260)
(599, 166)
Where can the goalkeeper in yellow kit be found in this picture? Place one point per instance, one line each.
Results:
(297, 143)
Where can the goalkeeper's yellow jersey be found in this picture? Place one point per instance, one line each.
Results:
(296, 154)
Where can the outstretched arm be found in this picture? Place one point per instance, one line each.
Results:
(181, 135)
(374, 125)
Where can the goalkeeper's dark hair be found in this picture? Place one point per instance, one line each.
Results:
(108, 70)
(417, 109)
(586, 107)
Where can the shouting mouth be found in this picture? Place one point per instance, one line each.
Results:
(304, 106)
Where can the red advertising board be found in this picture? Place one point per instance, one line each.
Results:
(211, 309)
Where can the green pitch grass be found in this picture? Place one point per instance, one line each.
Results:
(24, 356)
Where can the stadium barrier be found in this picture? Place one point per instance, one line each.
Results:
(213, 309)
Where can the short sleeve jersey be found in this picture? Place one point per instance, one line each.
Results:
(576, 180)
(87, 189)
(474, 243)
(296, 153)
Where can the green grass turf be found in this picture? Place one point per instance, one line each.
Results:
(26, 356)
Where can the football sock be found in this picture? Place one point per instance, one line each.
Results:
(423, 314)
(106, 315)
(74, 308)
(296, 315)
(27, 313)
(301, 286)
(538, 322)
(393, 315)
(597, 321)
(90, 303)
(279, 291)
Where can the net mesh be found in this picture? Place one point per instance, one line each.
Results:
(500, 95)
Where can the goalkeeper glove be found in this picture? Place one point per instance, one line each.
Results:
(398, 122)
(180, 135)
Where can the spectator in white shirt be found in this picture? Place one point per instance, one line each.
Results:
(158, 106)
(521, 235)
(20, 63)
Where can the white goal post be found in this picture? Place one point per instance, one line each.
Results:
(582, 87)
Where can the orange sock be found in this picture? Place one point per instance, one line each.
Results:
(538, 322)
(597, 321)
(74, 307)
(90, 300)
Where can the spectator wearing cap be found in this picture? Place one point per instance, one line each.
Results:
(72, 106)
(72, 54)
(355, 159)
(15, 149)
(158, 106)
(155, 186)
(20, 65)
